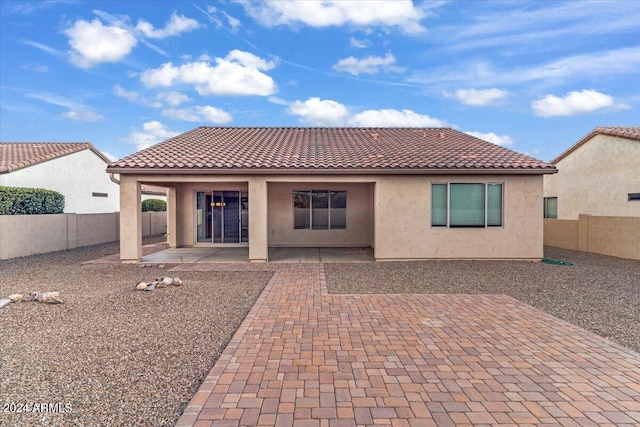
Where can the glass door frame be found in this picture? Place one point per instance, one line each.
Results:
(242, 198)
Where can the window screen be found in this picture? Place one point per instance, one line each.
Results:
(466, 205)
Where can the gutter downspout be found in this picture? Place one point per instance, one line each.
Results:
(112, 178)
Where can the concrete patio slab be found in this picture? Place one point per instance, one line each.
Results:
(295, 255)
(303, 357)
(173, 258)
(228, 255)
(346, 255)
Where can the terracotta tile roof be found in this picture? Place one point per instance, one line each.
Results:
(153, 189)
(232, 149)
(628, 132)
(18, 155)
(631, 132)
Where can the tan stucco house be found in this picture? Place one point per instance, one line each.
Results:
(408, 193)
(598, 175)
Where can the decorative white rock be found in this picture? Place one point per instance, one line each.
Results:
(16, 297)
(4, 301)
(34, 296)
(51, 298)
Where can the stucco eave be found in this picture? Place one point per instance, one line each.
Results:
(308, 171)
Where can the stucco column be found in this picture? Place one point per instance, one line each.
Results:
(130, 219)
(258, 224)
(171, 218)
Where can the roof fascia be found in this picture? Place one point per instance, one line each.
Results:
(476, 171)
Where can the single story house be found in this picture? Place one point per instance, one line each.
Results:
(409, 193)
(74, 169)
(598, 175)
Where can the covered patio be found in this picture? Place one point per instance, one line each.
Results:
(241, 254)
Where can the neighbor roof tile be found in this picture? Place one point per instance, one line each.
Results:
(325, 149)
(18, 155)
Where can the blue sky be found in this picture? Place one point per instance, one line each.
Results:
(533, 76)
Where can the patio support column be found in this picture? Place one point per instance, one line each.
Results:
(130, 219)
(171, 218)
(258, 224)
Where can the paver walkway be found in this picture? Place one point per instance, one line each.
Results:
(303, 358)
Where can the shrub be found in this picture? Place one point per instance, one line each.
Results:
(30, 201)
(154, 205)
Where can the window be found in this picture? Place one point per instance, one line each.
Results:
(319, 210)
(466, 205)
(633, 197)
(551, 207)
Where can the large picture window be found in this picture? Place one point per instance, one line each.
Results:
(319, 210)
(466, 205)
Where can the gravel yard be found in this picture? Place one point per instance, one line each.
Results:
(599, 293)
(117, 356)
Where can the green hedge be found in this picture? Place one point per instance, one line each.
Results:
(154, 205)
(30, 201)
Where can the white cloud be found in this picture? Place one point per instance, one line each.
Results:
(177, 24)
(360, 44)
(135, 97)
(239, 73)
(152, 133)
(383, 13)
(592, 65)
(249, 60)
(109, 156)
(319, 112)
(479, 97)
(83, 116)
(277, 101)
(173, 98)
(573, 103)
(234, 23)
(93, 43)
(492, 137)
(394, 118)
(199, 114)
(42, 47)
(77, 110)
(369, 65)
(36, 68)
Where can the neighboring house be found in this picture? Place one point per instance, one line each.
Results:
(77, 170)
(599, 175)
(408, 193)
(154, 192)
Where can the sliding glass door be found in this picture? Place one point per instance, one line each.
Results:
(222, 217)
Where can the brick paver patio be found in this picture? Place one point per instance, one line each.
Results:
(303, 358)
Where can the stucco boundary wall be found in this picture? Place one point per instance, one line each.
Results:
(608, 235)
(23, 235)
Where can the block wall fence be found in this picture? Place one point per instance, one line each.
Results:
(617, 236)
(23, 235)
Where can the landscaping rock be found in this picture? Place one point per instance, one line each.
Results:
(150, 287)
(166, 281)
(177, 281)
(34, 296)
(16, 297)
(141, 286)
(4, 301)
(51, 298)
